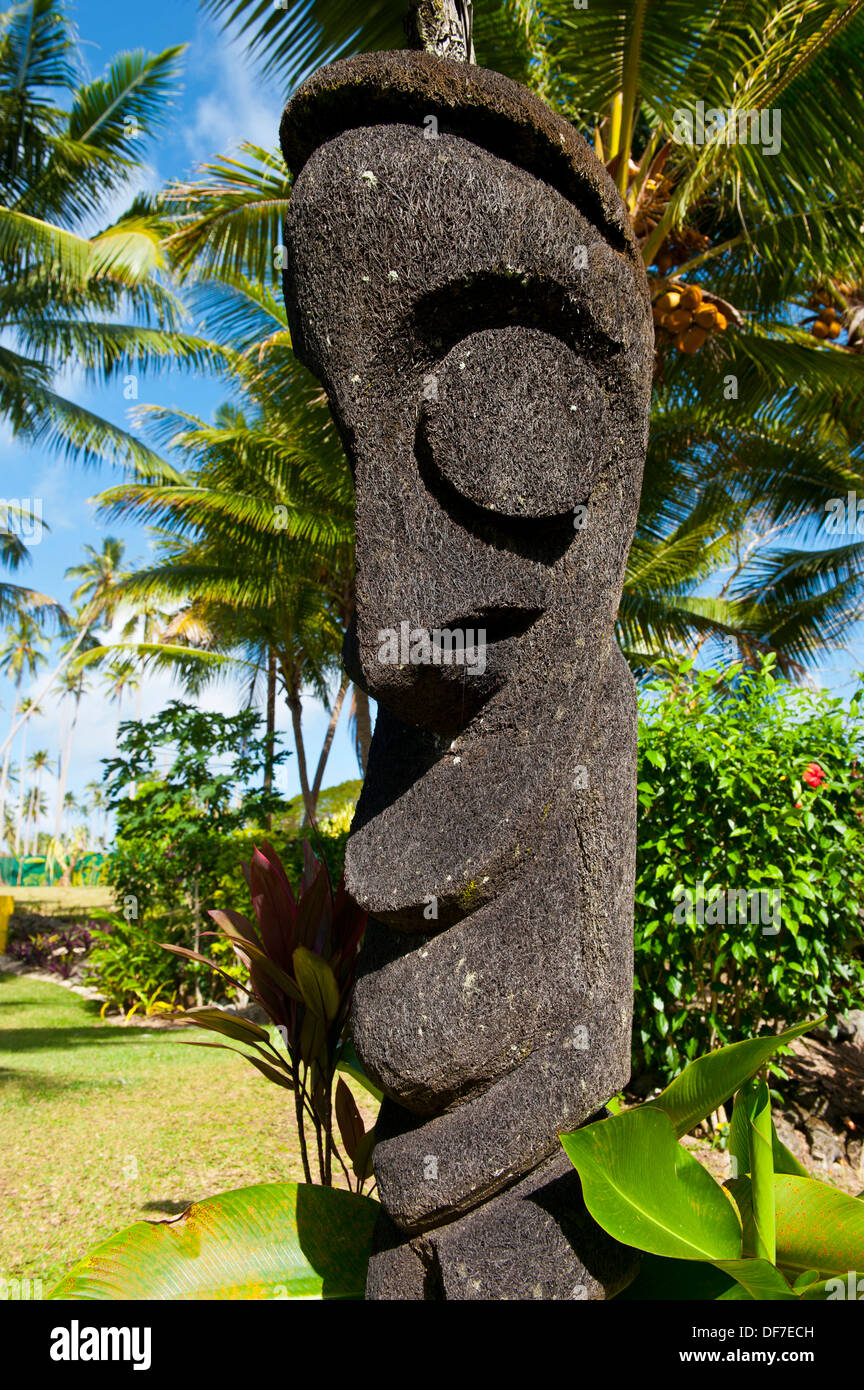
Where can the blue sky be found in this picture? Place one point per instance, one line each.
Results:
(223, 101)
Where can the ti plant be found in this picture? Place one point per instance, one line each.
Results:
(772, 1232)
(300, 954)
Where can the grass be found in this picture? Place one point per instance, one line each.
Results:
(105, 1124)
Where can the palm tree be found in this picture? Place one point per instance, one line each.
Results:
(95, 806)
(765, 239)
(27, 708)
(37, 763)
(21, 655)
(67, 151)
(121, 677)
(72, 687)
(257, 547)
(100, 574)
(14, 552)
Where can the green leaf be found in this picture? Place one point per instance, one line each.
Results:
(818, 1227)
(642, 1187)
(757, 1103)
(661, 1279)
(349, 1062)
(274, 1240)
(739, 1148)
(317, 984)
(758, 1278)
(712, 1079)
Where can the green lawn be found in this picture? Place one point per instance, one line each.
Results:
(103, 1125)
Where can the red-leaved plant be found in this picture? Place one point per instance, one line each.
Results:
(300, 954)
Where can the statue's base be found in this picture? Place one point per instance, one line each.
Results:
(536, 1240)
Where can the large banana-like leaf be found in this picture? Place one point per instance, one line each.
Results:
(711, 1080)
(818, 1227)
(274, 1240)
(646, 1190)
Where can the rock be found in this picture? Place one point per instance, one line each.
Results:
(825, 1146)
(462, 278)
(853, 1030)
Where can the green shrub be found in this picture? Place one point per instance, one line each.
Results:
(750, 785)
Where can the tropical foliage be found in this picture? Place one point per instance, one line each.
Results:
(774, 1233)
(750, 861)
(301, 956)
(78, 283)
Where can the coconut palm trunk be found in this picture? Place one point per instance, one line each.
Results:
(65, 763)
(362, 727)
(328, 741)
(19, 822)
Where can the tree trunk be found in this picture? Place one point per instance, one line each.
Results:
(296, 709)
(36, 704)
(271, 728)
(362, 728)
(444, 27)
(21, 771)
(328, 741)
(4, 782)
(196, 940)
(64, 770)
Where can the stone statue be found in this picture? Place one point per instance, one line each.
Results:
(462, 278)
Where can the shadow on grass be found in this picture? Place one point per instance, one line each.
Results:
(42, 1039)
(34, 1082)
(168, 1208)
(30, 1004)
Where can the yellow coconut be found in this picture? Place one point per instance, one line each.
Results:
(692, 340)
(819, 329)
(679, 320)
(835, 329)
(668, 301)
(706, 316)
(691, 298)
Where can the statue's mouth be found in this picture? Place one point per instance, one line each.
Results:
(438, 677)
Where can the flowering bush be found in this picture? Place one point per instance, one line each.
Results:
(750, 870)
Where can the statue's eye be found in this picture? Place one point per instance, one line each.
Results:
(516, 421)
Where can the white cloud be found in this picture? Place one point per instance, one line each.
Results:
(239, 106)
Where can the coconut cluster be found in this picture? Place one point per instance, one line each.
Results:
(827, 324)
(688, 317)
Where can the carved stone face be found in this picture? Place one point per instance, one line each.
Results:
(476, 310)
(482, 345)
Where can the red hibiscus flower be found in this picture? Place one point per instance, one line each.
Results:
(814, 775)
